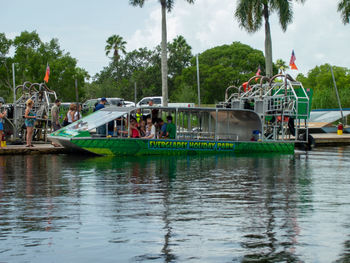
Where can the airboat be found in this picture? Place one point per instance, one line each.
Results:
(43, 98)
(261, 116)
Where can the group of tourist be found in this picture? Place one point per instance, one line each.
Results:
(72, 115)
(145, 128)
(140, 126)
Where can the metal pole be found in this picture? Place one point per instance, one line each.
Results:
(336, 92)
(135, 93)
(198, 83)
(77, 95)
(14, 103)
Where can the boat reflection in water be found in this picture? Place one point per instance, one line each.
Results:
(208, 208)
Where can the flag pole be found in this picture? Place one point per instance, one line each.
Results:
(198, 82)
(336, 92)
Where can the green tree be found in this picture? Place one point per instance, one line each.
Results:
(320, 80)
(166, 5)
(143, 67)
(180, 55)
(5, 66)
(344, 9)
(31, 56)
(115, 43)
(281, 65)
(118, 79)
(250, 15)
(220, 67)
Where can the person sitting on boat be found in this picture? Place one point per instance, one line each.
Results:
(162, 129)
(120, 126)
(134, 132)
(170, 128)
(142, 128)
(150, 130)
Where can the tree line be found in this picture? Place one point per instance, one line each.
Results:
(168, 69)
(31, 57)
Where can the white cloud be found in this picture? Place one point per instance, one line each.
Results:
(316, 34)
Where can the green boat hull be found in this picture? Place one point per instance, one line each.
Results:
(120, 147)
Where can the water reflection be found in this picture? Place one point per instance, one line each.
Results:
(174, 208)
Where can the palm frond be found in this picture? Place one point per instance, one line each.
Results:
(344, 9)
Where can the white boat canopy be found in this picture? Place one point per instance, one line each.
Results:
(327, 116)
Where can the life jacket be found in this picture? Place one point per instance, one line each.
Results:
(138, 116)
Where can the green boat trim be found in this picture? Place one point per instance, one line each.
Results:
(129, 146)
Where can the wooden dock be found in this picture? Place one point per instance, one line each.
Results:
(331, 139)
(37, 149)
(321, 140)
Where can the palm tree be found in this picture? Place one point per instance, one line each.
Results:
(167, 5)
(281, 65)
(250, 14)
(115, 43)
(344, 9)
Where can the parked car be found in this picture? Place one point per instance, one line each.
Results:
(89, 105)
(158, 101)
(129, 103)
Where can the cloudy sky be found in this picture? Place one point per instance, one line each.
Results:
(82, 27)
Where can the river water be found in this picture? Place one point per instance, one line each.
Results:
(212, 208)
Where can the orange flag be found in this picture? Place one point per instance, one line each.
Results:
(47, 75)
(258, 73)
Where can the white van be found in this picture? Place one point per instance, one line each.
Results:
(158, 101)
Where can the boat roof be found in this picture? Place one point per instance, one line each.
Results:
(192, 109)
(327, 115)
(108, 114)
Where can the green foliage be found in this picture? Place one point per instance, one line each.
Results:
(142, 66)
(5, 67)
(320, 80)
(281, 65)
(251, 13)
(219, 68)
(169, 4)
(179, 55)
(344, 9)
(31, 57)
(115, 43)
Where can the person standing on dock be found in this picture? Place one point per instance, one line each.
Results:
(29, 121)
(2, 115)
(55, 110)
